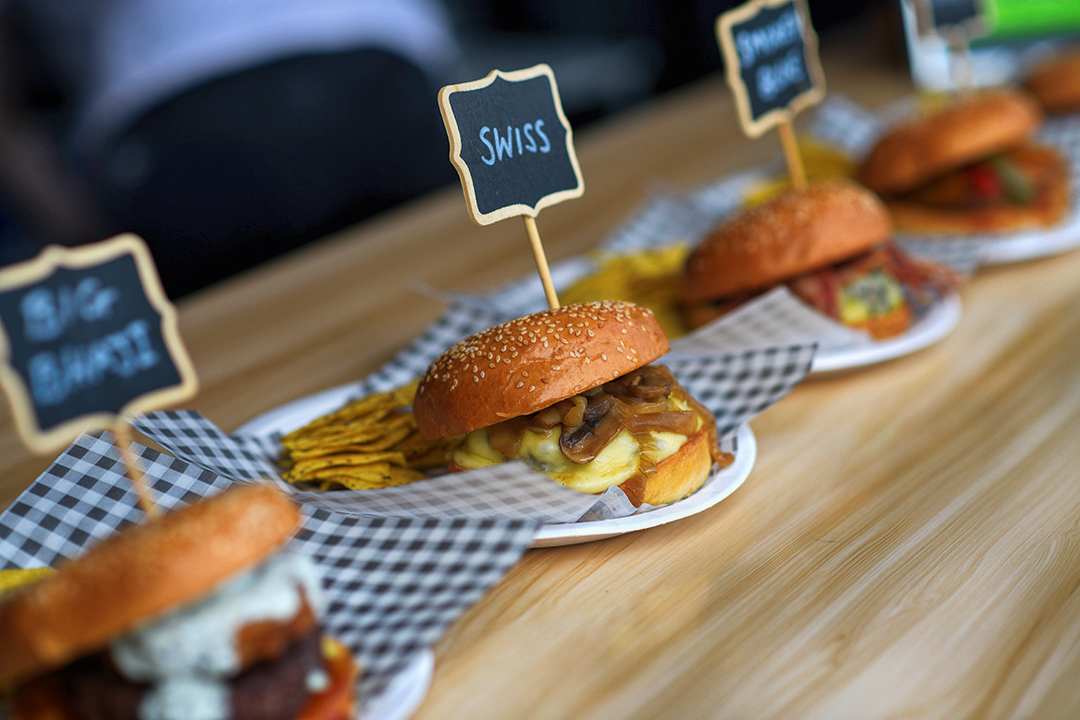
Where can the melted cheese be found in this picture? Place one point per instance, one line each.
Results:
(613, 465)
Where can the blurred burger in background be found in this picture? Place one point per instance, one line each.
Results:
(571, 393)
(830, 244)
(970, 167)
(196, 614)
(1056, 82)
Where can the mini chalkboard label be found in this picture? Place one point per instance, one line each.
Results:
(770, 51)
(946, 17)
(511, 143)
(87, 335)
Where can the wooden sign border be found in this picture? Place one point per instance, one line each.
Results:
(971, 29)
(543, 69)
(813, 96)
(53, 258)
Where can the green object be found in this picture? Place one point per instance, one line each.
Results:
(870, 296)
(1018, 188)
(1017, 18)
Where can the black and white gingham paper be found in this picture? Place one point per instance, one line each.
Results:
(854, 130)
(511, 490)
(687, 217)
(736, 382)
(735, 386)
(738, 387)
(774, 319)
(392, 585)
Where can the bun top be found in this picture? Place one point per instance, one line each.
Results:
(135, 576)
(800, 231)
(1056, 82)
(525, 365)
(919, 150)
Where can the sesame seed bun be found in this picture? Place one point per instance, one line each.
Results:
(137, 575)
(528, 364)
(798, 232)
(1056, 83)
(967, 130)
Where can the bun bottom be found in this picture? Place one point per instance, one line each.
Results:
(46, 699)
(681, 474)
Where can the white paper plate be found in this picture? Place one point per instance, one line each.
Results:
(1031, 246)
(288, 417)
(300, 412)
(715, 489)
(404, 693)
(934, 325)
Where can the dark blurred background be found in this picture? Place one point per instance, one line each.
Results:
(227, 133)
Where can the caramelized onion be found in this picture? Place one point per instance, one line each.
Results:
(549, 417)
(576, 414)
(506, 437)
(683, 422)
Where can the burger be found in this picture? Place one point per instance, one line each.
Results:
(1056, 83)
(193, 615)
(830, 244)
(571, 393)
(970, 167)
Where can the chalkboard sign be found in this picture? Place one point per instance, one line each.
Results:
(87, 335)
(511, 143)
(951, 17)
(770, 51)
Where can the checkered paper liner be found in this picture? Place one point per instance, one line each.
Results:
(853, 129)
(667, 219)
(391, 585)
(735, 386)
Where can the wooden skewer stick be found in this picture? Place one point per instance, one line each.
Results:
(961, 64)
(541, 262)
(792, 156)
(134, 474)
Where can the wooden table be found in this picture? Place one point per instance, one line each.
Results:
(908, 544)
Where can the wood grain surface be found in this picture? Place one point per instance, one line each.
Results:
(908, 545)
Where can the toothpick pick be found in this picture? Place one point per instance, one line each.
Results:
(133, 472)
(792, 156)
(961, 64)
(541, 262)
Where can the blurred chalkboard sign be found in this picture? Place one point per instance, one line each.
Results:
(770, 52)
(511, 143)
(966, 18)
(87, 335)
